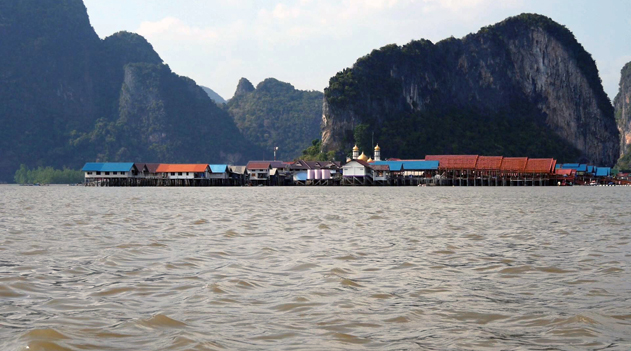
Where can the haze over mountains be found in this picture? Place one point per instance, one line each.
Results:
(522, 87)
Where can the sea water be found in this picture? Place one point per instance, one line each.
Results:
(315, 268)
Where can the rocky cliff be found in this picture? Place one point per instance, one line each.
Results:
(67, 97)
(524, 86)
(622, 105)
(243, 87)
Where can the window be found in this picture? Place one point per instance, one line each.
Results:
(89, 173)
(114, 173)
(172, 173)
(179, 173)
(98, 173)
(107, 173)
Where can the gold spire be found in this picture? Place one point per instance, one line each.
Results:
(377, 148)
(370, 160)
(362, 157)
(355, 148)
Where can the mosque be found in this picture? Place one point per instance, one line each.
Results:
(363, 157)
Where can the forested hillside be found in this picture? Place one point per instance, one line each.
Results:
(67, 97)
(275, 114)
(522, 87)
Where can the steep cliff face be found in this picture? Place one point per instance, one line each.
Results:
(67, 97)
(525, 72)
(243, 87)
(150, 97)
(48, 60)
(622, 105)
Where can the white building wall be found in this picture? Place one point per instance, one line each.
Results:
(182, 175)
(354, 169)
(90, 175)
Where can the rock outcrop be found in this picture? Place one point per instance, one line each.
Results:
(527, 71)
(622, 105)
(68, 97)
(243, 87)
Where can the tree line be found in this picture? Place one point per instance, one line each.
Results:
(48, 175)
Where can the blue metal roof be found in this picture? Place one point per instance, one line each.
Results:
(570, 166)
(108, 167)
(394, 166)
(577, 166)
(398, 166)
(590, 169)
(420, 165)
(218, 168)
(603, 171)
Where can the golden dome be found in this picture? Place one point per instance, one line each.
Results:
(377, 148)
(370, 160)
(355, 148)
(363, 157)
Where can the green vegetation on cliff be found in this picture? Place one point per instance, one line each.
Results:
(314, 152)
(482, 94)
(67, 97)
(276, 114)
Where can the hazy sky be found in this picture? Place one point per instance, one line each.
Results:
(305, 42)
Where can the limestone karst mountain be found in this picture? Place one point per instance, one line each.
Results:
(522, 87)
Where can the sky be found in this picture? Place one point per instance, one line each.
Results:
(306, 42)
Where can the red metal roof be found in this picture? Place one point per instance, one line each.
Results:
(454, 161)
(540, 165)
(514, 164)
(168, 168)
(258, 165)
(489, 162)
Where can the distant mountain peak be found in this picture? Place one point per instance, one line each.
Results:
(213, 95)
(244, 87)
(274, 84)
(131, 47)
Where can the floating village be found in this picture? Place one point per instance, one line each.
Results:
(358, 170)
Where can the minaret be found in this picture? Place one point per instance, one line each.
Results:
(377, 153)
(355, 152)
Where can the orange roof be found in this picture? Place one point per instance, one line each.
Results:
(540, 165)
(514, 164)
(489, 162)
(454, 161)
(167, 168)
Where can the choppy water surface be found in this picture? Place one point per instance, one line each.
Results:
(315, 268)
